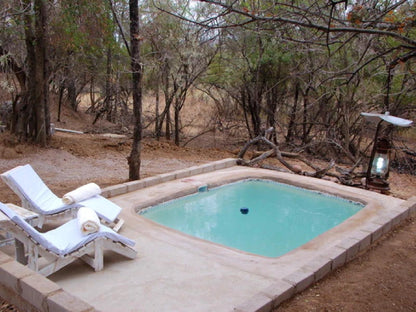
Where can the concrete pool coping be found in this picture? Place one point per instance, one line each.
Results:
(175, 272)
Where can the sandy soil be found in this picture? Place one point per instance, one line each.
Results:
(75, 159)
(380, 279)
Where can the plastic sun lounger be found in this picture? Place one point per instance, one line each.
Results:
(65, 244)
(36, 196)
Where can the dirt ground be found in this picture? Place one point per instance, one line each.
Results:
(382, 278)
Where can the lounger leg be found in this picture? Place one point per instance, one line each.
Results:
(118, 224)
(96, 262)
(121, 249)
(98, 255)
(41, 221)
(20, 252)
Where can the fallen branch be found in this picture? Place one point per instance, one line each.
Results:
(409, 152)
(321, 172)
(275, 150)
(68, 130)
(347, 177)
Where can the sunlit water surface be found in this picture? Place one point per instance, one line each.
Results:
(257, 216)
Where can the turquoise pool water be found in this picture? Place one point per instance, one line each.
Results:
(257, 216)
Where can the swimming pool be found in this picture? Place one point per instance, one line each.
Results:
(261, 217)
(179, 272)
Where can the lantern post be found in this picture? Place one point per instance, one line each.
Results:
(379, 164)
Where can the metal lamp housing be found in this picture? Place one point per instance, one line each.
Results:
(380, 165)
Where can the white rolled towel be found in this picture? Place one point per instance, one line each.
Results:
(81, 193)
(88, 221)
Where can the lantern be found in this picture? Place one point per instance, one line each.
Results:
(379, 166)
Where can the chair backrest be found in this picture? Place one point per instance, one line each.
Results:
(30, 187)
(26, 227)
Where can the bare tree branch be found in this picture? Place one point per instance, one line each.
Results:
(377, 27)
(120, 28)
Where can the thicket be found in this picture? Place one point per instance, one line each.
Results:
(305, 68)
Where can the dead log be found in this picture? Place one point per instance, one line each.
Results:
(284, 154)
(321, 172)
(275, 150)
(346, 177)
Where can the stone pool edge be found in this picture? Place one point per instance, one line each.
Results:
(131, 186)
(285, 288)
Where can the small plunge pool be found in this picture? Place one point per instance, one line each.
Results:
(262, 217)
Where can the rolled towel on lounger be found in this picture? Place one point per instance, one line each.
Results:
(83, 192)
(88, 221)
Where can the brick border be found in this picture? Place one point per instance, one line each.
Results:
(131, 186)
(30, 291)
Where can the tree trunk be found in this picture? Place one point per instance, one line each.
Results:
(92, 95)
(168, 101)
(109, 94)
(42, 90)
(33, 111)
(305, 117)
(24, 110)
(72, 92)
(292, 116)
(61, 96)
(254, 103)
(177, 126)
(19, 98)
(271, 104)
(243, 102)
(134, 158)
(157, 102)
(31, 114)
(167, 123)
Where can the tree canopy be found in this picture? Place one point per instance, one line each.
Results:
(306, 68)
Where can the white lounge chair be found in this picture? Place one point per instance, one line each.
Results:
(36, 196)
(65, 244)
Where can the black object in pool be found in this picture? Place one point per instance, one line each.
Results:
(244, 210)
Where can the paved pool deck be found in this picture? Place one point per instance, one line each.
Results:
(176, 272)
